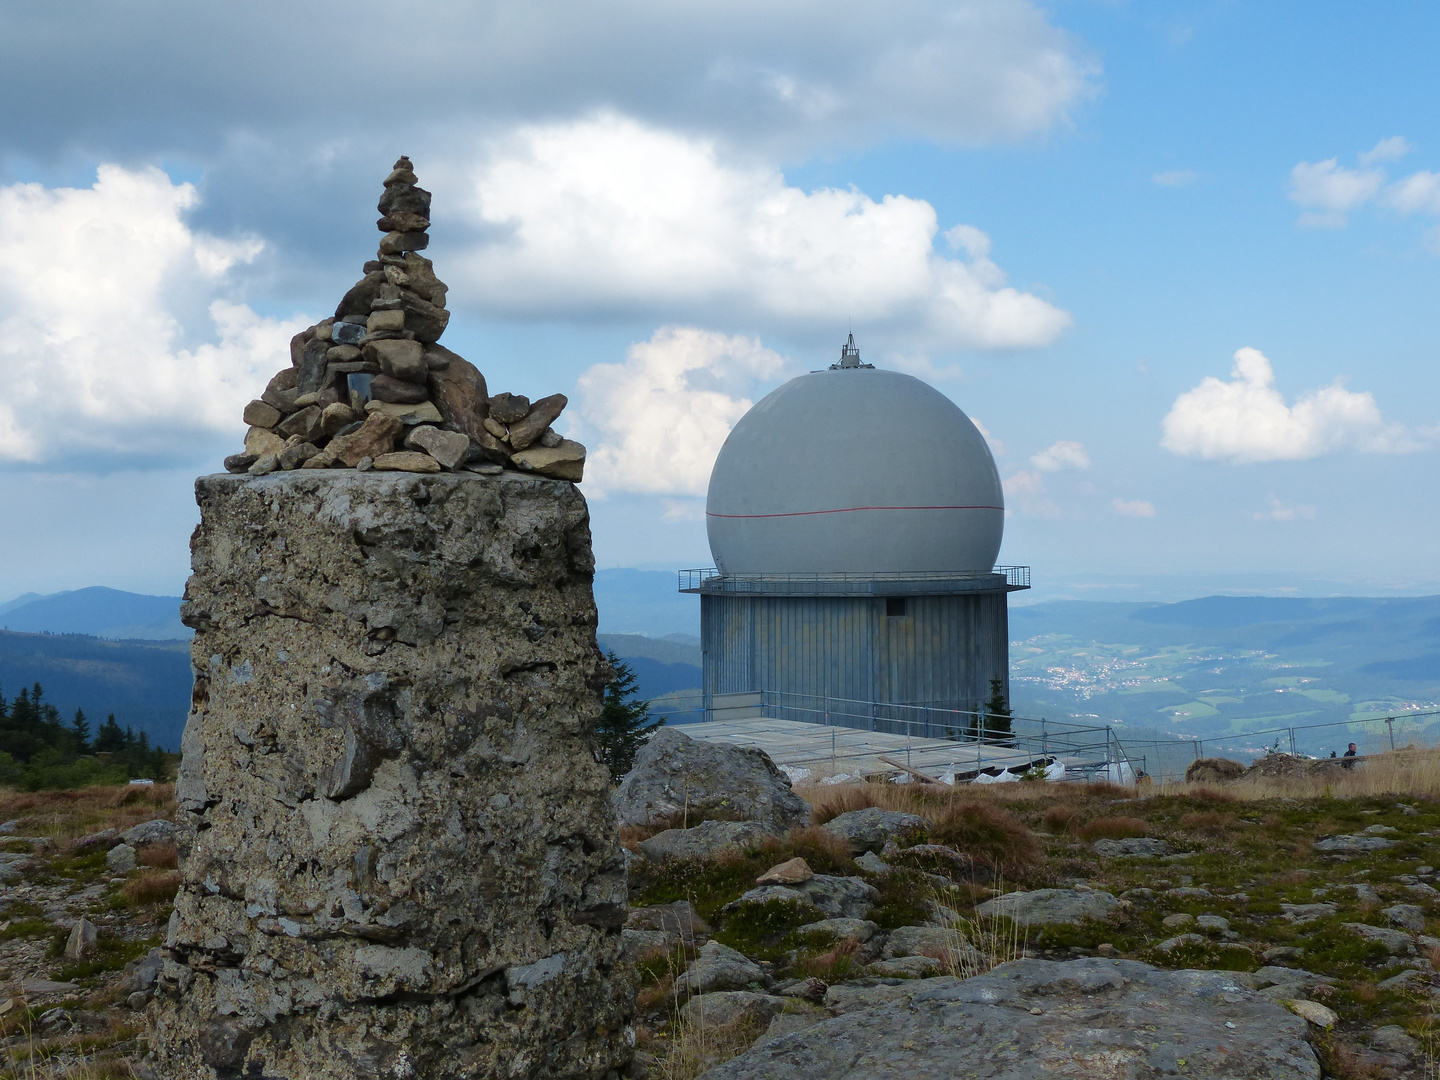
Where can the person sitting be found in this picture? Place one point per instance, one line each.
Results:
(1351, 753)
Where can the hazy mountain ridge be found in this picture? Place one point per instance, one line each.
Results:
(97, 612)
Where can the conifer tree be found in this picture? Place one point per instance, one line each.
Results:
(997, 713)
(80, 729)
(110, 739)
(625, 725)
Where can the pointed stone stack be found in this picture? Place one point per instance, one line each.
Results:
(372, 388)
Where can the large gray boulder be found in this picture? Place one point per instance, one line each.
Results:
(676, 774)
(719, 967)
(1035, 1018)
(836, 897)
(872, 828)
(1045, 907)
(704, 840)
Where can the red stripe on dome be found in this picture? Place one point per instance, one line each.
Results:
(850, 510)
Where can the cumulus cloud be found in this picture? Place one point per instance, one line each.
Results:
(662, 415)
(1392, 149)
(94, 353)
(1175, 177)
(608, 215)
(1248, 420)
(1133, 508)
(1327, 190)
(1025, 491)
(1062, 455)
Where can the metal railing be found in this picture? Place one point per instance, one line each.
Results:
(710, 579)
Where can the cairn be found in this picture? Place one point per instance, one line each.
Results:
(372, 387)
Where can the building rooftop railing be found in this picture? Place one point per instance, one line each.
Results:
(930, 582)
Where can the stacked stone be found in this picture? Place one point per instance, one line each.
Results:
(372, 388)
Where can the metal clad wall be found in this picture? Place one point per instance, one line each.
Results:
(943, 651)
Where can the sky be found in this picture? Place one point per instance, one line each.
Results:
(1179, 261)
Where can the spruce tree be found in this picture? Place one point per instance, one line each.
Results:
(997, 713)
(110, 739)
(625, 723)
(80, 729)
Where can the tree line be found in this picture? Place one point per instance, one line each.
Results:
(39, 749)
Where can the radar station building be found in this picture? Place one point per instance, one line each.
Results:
(854, 518)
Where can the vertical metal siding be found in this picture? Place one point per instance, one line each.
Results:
(942, 652)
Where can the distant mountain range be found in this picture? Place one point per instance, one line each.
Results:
(1203, 668)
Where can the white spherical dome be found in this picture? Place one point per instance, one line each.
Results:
(855, 470)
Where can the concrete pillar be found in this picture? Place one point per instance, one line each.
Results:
(399, 853)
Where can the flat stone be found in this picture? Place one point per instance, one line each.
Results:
(1276, 953)
(403, 221)
(393, 243)
(376, 436)
(1313, 1012)
(787, 1023)
(563, 462)
(385, 320)
(37, 987)
(1352, 845)
(1172, 922)
(705, 840)
(426, 320)
(1212, 924)
(934, 941)
(871, 991)
(1379, 830)
(1046, 907)
(872, 863)
(1364, 893)
(450, 448)
(678, 920)
(909, 967)
(399, 358)
(292, 457)
(336, 418)
(407, 461)
(1406, 979)
(1169, 945)
(259, 414)
(674, 773)
(1133, 847)
(1396, 942)
(722, 1007)
(1405, 916)
(1189, 892)
(305, 424)
(542, 414)
(408, 415)
(1300, 914)
(1394, 1039)
(719, 967)
(342, 354)
(238, 463)
(398, 391)
(836, 897)
(786, 873)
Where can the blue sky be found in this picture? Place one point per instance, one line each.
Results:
(666, 212)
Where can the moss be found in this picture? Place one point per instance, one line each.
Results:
(1207, 955)
(759, 929)
(28, 928)
(902, 900)
(111, 954)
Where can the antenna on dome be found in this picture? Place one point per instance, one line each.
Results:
(849, 355)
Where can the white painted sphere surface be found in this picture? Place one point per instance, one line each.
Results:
(858, 471)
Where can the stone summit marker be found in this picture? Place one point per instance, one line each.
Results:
(399, 853)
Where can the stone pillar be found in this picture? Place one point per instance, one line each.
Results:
(399, 853)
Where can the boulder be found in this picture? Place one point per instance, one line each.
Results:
(1396, 942)
(1313, 1012)
(1299, 914)
(674, 772)
(836, 897)
(1047, 907)
(861, 930)
(872, 863)
(121, 859)
(787, 873)
(1405, 916)
(260, 414)
(872, 828)
(1132, 847)
(398, 358)
(1351, 845)
(704, 841)
(719, 967)
(871, 991)
(910, 967)
(83, 940)
(730, 1006)
(1029, 1018)
(678, 921)
(1213, 770)
(155, 831)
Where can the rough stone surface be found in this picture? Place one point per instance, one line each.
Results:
(1352, 845)
(158, 831)
(1313, 1012)
(407, 461)
(565, 461)
(872, 828)
(674, 773)
(729, 1006)
(542, 414)
(869, 992)
(1396, 942)
(375, 437)
(121, 859)
(719, 967)
(83, 940)
(1083, 1019)
(1134, 846)
(789, 872)
(861, 930)
(678, 920)
(704, 840)
(1045, 907)
(835, 897)
(447, 447)
(1405, 916)
(399, 856)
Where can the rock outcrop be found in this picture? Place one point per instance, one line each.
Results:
(1081, 1019)
(675, 774)
(372, 388)
(398, 851)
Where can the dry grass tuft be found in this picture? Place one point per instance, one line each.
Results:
(1061, 819)
(152, 887)
(987, 832)
(1113, 828)
(160, 856)
(1211, 821)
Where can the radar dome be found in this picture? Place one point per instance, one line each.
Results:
(855, 470)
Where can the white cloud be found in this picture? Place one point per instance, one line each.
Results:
(663, 414)
(1248, 420)
(1327, 190)
(1417, 193)
(996, 446)
(1026, 490)
(609, 216)
(1133, 508)
(1392, 149)
(91, 351)
(1175, 177)
(1280, 512)
(1062, 455)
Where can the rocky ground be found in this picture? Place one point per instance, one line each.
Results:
(1314, 917)
(86, 880)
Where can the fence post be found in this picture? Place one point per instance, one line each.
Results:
(1390, 723)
